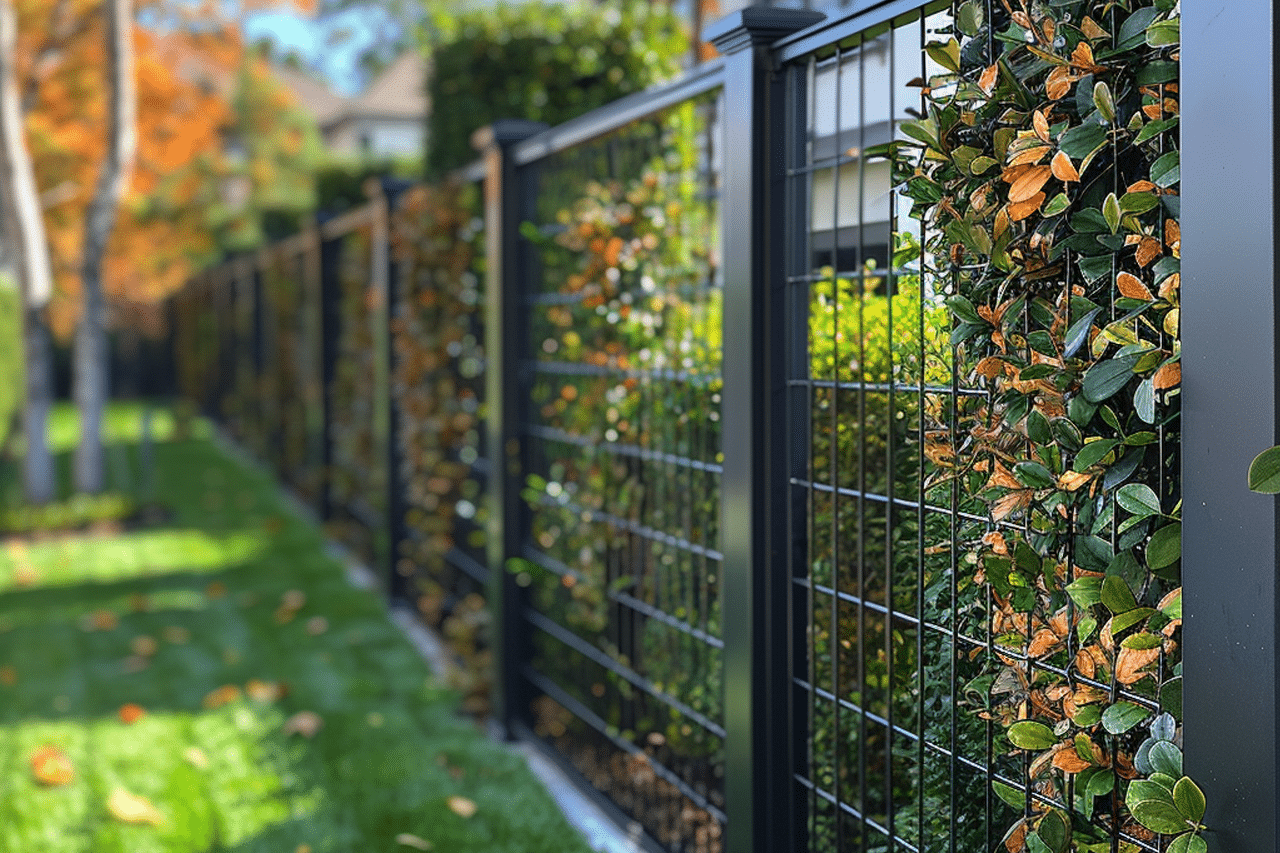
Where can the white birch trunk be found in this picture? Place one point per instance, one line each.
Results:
(20, 204)
(90, 359)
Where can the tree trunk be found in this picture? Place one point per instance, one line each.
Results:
(90, 361)
(25, 239)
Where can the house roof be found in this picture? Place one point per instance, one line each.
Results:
(310, 94)
(398, 92)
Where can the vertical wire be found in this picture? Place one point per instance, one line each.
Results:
(812, 426)
(989, 789)
(920, 473)
(890, 607)
(833, 463)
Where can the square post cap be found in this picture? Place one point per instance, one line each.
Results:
(758, 25)
(505, 132)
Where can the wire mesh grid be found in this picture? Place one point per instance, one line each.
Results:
(909, 664)
(622, 559)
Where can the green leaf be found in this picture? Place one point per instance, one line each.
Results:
(982, 164)
(1166, 758)
(1165, 172)
(1085, 628)
(1101, 783)
(1264, 472)
(1156, 72)
(1082, 140)
(1104, 102)
(1122, 716)
(1158, 816)
(1009, 794)
(1055, 831)
(1174, 608)
(1126, 620)
(963, 308)
(1036, 845)
(1116, 595)
(1189, 799)
(1107, 377)
(1033, 475)
(1093, 554)
(945, 54)
(969, 18)
(1092, 453)
(1038, 428)
(1188, 842)
(1163, 33)
(1165, 546)
(1111, 211)
(1029, 734)
(1056, 205)
(1138, 202)
(1144, 401)
(1171, 697)
(1078, 333)
(1133, 31)
(1154, 128)
(1142, 790)
(1139, 499)
(1141, 641)
(1085, 591)
(1086, 716)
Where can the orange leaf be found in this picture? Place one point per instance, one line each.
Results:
(1010, 504)
(1058, 84)
(131, 713)
(221, 696)
(1173, 235)
(1063, 169)
(1082, 58)
(987, 82)
(1030, 156)
(8, 675)
(1091, 29)
(1170, 285)
(1015, 841)
(1140, 187)
(1071, 480)
(51, 767)
(263, 691)
(1026, 186)
(1042, 643)
(1041, 125)
(1168, 376)
(1021, 210)
(1148, 251)
(990, 367)
(144, 646)
(1068, 761)
(217, 589)
(1129, 285)
(1131, 662)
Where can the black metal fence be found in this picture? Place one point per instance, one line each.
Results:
(650, 414)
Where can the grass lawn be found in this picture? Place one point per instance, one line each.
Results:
(212, 683)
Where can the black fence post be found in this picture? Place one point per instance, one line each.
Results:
(760, 741)
(504, 316)
(1229, 396)
(330, 326)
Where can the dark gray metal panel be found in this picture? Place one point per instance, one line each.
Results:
(756, 613)
(1229, 412)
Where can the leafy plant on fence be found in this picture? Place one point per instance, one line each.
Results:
(437, 243)
(1046, 169)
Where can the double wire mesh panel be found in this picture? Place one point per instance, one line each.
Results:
(915, 665)
(898, 628)
(621, 559)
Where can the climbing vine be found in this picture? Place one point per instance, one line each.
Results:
(1044, 168)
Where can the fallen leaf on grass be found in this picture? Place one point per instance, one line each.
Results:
(24, 576)
(131, 808)
(294, 599)
(131, 713)
(374, 720)
(302, 848)
(221, 696)
(263, 691)
(144, 646)
(317, 625)
(8, 676)
(283, 615)
(305, 723)
(51, 766)
(139, 603)
(99, 620)
(196, 757)
(176, 635)
(216, 589)
(461, 806)
(408, 839)
(231, 656)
